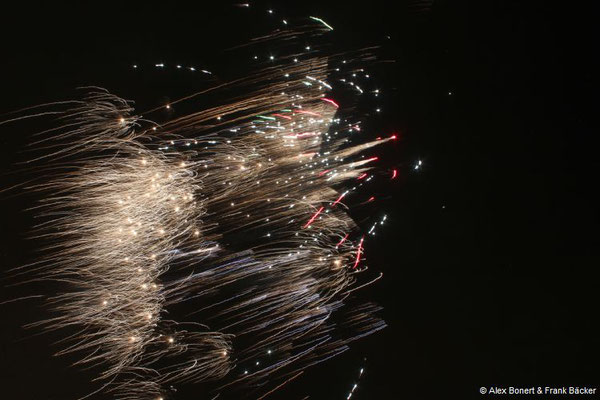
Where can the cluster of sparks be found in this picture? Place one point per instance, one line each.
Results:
(355, 385)
(238, 212)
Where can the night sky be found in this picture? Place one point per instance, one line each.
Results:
(490, 258)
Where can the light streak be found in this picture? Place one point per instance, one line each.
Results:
(336, 105)
(339, 198)
(283, 116)
(358, 252)
(323, 22)
(310, 221)
(315, 114)
(342, 240)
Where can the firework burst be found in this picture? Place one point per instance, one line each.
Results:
(235, 211)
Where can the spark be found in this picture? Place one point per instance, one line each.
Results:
(340, 198)
(331, 102)
(323, 22)
(358, 252)
(310, 221)
(342, 240)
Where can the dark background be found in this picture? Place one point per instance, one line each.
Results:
(490, 257)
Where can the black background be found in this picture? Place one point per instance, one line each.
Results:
(490, 257)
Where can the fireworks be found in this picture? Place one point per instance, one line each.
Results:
(235, 211)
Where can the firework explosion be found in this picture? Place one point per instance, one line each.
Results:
(236, 211)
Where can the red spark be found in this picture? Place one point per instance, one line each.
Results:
(310, 221)
(283, 116)
(358, 253)
(308, 112)
(339, 199)
(394, 174)
(342, 241)
(336, 105)
(362, 175)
